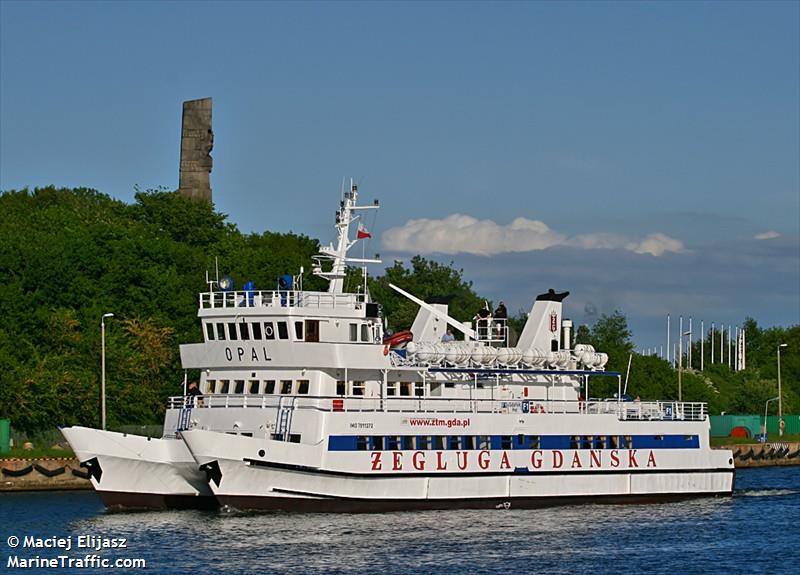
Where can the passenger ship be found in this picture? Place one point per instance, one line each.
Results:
(307, 405)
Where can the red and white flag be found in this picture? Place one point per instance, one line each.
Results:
(362, 232)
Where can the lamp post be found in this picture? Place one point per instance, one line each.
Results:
(766, 407)
(780, 403)
(103, 369)
(680, 365)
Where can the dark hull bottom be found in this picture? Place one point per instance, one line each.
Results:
(294, 504)
(129, 500)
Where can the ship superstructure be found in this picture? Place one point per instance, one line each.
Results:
(309, 404)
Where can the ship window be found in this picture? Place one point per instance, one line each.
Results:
(393, 442)
(438, 442)
(224, 385)
(533, 442)
(210, 385)
(353, 332)
(469, 442)
(358, 388)
(283, 330)
(286, 386)
(614, 441)
(586, 442)
(254, 385)
(270, 388)
(209, 331)
(627, 442)
(312, 330)
(449, 385)
(454, 442)
(505, 442)
(269, 331)
(377, 443)
(419, 389)
(575, 442)
(302, 386)
(405, 388)
(294, 438)
(221, 331)
(601, 442)
(239, 386)
(436, 389)
(483, 442)
(245, 328)
(423, 442)
(361, 443)
(246, 434)
(256, 330)
(364, 332)
(391, 388)
(340, 387)
(232, 331)
(298, 330)
(408, 442)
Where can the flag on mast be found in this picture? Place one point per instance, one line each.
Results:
(362, 232)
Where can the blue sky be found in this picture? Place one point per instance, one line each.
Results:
(644, 156)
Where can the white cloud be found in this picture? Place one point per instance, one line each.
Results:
(460, 233)
(767, 235)
(464, 234)
(656, 245)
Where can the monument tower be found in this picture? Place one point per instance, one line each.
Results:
(197, 140)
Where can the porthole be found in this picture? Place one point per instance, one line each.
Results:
(261, 453)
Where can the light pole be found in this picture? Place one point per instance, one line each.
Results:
(766, 407)
(103, 369)
(780, 403)
(680, 365)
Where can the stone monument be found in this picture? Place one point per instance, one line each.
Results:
(197, 140)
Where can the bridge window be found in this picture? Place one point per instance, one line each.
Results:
(209, 331)
(405, 388)
(270, 386)
(286, 386)
(341, 387)
(210, 385)
(245, 328)
(391, 388)
(221, 331)
(364, 332)
(358, 388)
(232, 331)
(239, 387)
(224, 386)
(283, 330)
(298, 330)
(419, 389)
(312, 330)
(353, 332)
(257, 330)
(254, 386)
(302, 386)
(269, 330)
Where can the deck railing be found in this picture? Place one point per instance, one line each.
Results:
(278, 299)
(623, 410)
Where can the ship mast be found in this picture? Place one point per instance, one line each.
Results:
(338, 255)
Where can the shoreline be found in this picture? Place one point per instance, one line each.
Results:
(773, 454)
(42, 474)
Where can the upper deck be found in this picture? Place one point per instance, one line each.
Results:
(280, 300)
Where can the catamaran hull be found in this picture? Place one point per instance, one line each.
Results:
(292, 485)
(131, 471)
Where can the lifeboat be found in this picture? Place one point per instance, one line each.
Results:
(399, 339)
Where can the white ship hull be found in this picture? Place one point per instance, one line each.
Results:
(132, 471)
(290, 480)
